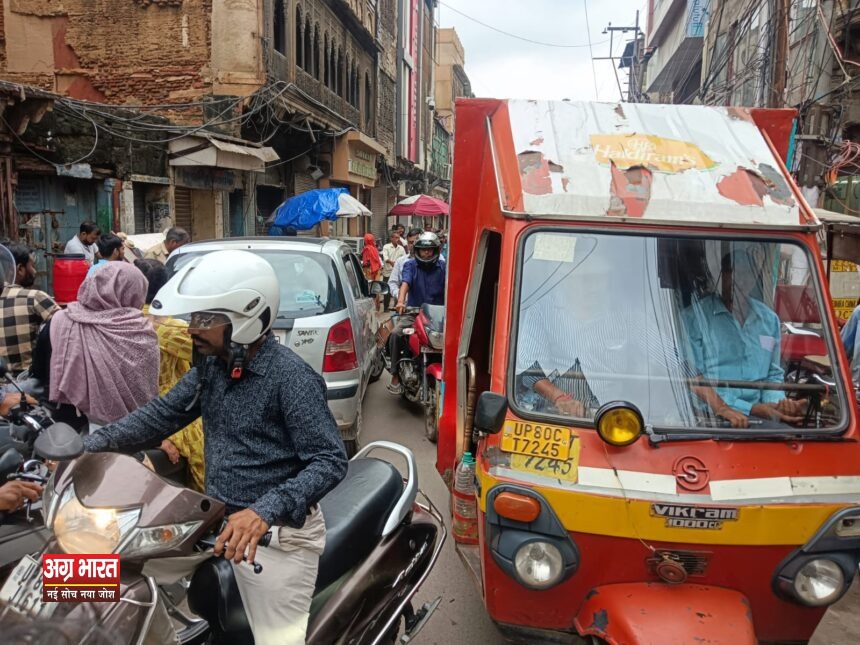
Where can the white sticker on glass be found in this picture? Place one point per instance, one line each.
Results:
(554, 247)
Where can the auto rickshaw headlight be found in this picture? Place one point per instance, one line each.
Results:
(539, 564)
(819, 582)
(619, 423)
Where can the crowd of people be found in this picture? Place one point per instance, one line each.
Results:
(104, 355)
(130, 371)
(133, 371)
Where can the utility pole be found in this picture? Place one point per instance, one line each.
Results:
(783, 11)
(633, 93)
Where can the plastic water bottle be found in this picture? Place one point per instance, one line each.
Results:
(465, 524)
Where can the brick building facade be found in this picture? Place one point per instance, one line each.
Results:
(209, 113)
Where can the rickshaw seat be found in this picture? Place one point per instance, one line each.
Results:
(796, 347)
(795, 303)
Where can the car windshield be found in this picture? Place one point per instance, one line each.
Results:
(695, 332)
(309, 284)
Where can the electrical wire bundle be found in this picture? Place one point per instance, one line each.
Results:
(848, 157)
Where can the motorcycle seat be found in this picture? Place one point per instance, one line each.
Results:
(355, 512)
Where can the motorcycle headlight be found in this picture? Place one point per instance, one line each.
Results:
(80, 529)
(436, 338)
(158, 538)
(819, 582)
(539, 564)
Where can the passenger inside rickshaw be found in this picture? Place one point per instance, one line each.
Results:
(696, 333)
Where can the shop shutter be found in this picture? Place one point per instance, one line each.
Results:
(182, 202)
(379, 207)
(304, 182)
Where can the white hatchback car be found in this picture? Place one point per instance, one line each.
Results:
(327, 315)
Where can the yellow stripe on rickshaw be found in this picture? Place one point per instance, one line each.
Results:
(667, 521)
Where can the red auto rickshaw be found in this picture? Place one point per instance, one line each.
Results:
(642, 357)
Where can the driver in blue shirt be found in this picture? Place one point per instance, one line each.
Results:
(736, 337)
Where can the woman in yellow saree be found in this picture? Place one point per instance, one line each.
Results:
(175, 345)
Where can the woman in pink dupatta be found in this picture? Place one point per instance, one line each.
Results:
(105, 354)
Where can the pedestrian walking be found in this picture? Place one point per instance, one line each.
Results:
(391, 252)
(173, 239)
(111, 249)
(100, 354)
(23, 310)
(84, 243)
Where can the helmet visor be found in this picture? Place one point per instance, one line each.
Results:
(205, 320)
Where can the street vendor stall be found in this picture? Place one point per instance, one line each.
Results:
(839, 238)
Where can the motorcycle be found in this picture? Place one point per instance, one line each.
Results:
(22, 531)
(381, 544)
(420, 363)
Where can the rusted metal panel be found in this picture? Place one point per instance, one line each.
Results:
(669, 163)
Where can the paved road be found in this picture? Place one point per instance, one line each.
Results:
(461, 617)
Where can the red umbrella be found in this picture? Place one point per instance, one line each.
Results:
(420, 205)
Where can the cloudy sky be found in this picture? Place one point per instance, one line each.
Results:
(504, 67)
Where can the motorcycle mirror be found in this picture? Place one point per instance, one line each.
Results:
(10, 461)
(490, 412)
(379, 289)
(59, 442)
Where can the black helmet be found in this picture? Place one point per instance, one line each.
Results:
(427, 241)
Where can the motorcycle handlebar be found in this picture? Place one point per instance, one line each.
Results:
(208, 542)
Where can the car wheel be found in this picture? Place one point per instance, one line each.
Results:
(431, 421)
(378, 366)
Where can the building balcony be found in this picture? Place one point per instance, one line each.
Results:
(319, 92)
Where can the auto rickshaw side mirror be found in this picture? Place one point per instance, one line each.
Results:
(379, 288)
(490, 412)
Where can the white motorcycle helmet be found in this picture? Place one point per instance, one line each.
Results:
(238, 284)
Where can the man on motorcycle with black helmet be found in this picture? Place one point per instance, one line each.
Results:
(423, 282)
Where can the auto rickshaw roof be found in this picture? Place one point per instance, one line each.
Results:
(672, 164)
(830, 217)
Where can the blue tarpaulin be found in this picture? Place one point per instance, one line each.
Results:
(308, 209)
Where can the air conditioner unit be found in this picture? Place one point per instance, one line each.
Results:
(354, 243)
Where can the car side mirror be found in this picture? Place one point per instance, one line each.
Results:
(379, 288)
(490, 412)
(59, 442)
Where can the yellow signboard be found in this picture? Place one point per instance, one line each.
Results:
(656, 153)
(843, 266)
(844, 307)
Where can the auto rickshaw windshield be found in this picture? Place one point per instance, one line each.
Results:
(699, 332)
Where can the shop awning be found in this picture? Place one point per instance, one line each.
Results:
(217, 153)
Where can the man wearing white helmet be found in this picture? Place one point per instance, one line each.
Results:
(272, 446)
